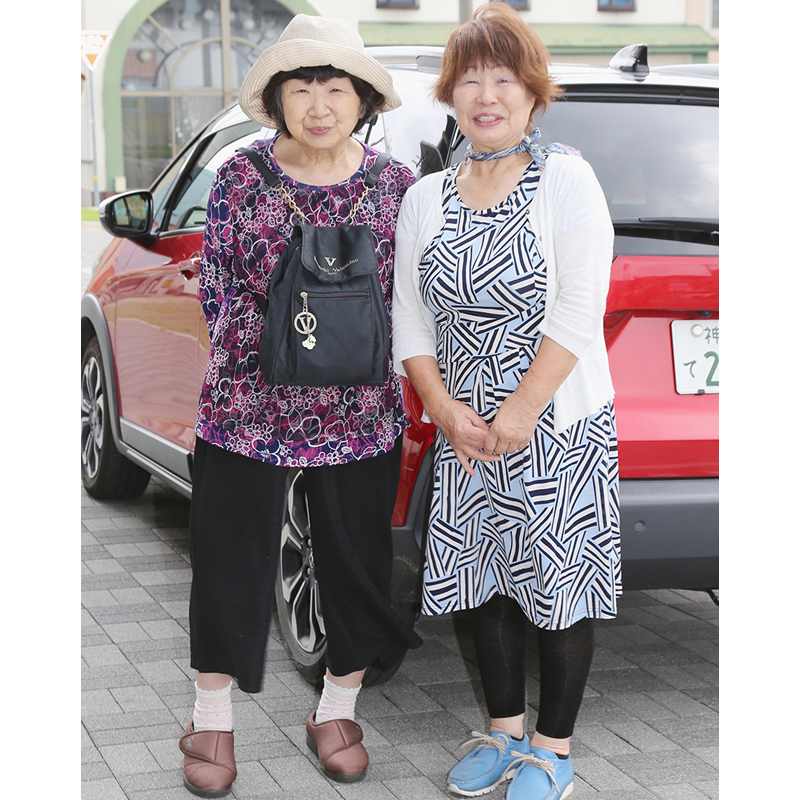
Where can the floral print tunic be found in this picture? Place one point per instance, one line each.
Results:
(247, 227)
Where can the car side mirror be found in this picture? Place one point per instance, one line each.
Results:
(129, 215)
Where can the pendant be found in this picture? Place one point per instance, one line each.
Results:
(305, 323)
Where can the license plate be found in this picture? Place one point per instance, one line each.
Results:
(695, 352)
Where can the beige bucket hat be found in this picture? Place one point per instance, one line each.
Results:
(313, 42)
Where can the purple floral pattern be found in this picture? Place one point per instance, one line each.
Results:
(247, 227)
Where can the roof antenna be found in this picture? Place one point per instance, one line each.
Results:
(633, 59)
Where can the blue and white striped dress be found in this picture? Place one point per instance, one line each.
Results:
(542, 524)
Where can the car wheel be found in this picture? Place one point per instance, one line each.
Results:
(297, 592)
(105, 473)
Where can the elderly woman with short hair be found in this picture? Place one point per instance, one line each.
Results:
(502, 272)
(315, 86)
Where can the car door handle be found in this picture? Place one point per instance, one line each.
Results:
(189, 267)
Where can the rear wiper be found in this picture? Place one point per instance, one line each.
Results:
(702, 231)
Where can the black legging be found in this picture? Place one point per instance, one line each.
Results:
(500, 631)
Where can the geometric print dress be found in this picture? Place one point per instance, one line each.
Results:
(542, 524)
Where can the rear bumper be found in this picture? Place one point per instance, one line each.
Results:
(670, 533)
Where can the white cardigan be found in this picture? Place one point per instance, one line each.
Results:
(570, 219)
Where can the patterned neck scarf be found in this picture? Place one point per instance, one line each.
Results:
(530, 144)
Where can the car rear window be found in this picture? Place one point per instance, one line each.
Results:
(655, 161)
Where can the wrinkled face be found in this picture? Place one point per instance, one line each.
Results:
(492, 107)
(320, 115)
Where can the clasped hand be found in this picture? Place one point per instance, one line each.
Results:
(472, 438)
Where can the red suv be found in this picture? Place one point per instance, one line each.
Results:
(651, 136)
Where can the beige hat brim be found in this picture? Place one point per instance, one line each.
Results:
(296, 53)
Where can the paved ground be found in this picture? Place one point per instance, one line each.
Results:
(648, 726)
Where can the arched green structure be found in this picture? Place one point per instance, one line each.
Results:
(112, 77)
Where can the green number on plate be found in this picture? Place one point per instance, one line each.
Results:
(710, 379)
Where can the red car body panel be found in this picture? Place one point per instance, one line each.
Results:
(160, 340)
(662, 434)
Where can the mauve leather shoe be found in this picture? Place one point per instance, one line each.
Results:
(337, 745)
(209, 767)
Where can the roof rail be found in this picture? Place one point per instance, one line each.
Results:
(632, 58)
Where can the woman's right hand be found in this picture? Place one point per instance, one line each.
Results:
(464, 430)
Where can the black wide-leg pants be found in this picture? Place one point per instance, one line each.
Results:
(234, 540)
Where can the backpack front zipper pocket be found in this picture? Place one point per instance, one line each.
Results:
(318, 317)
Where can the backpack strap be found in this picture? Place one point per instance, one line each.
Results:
(373, 173)
(258, 162)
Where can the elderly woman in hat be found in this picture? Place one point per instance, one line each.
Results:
(316, 86)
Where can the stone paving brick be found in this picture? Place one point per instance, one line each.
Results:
(137, 698)
(298, 773)
(642, 706)
(692, 732)
(600, 739)
(680, 703)
(161, 672)
(105, 789)
(365, 790)
(416, 789)
(708, 754)
(253, 781)
(126, 632)
(684, 677)
(428, 726)
(679, 792)
(660, 768)
(602, 775)
(709, 788)
(128, 759)
(641, 736)
(431, 759)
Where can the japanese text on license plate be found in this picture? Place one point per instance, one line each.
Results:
(695, 351)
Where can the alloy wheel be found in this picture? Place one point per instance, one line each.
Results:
(92, 417)
(298, 592)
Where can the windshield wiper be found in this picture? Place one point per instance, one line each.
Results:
(702, 231)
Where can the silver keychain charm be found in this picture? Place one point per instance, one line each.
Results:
(305, 323)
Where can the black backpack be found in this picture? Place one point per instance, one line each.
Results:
(325, 321)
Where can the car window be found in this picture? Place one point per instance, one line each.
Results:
(188, 208)
(161, 187)
(652, 159)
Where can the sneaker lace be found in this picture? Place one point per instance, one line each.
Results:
(479, 739)
(542, 763)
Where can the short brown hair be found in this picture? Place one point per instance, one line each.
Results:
(496, 36)
(371, 99)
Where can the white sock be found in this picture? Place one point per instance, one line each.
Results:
(336, 702)
(213, 710)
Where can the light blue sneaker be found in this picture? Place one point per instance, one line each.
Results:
(488, 764)
(541, 775)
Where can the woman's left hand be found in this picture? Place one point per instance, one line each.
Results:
(513, 426)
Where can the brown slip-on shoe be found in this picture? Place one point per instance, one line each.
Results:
(337, 745)
(209, 767)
